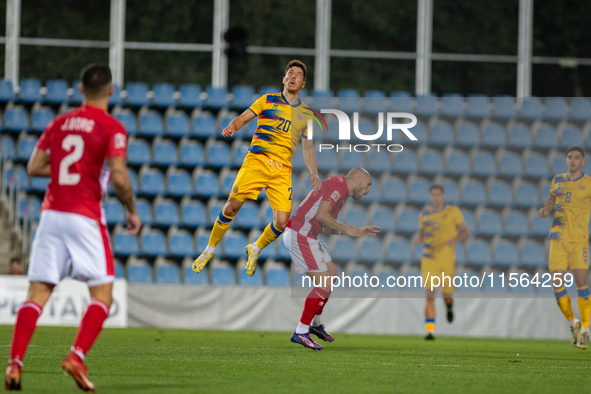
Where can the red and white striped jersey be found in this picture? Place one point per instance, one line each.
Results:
(335, 190)
(79, 144)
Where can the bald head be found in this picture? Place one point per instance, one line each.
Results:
(358, 181)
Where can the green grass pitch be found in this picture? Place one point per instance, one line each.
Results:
(182, 361)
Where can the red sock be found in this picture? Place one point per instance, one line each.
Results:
(26, 321)
(314, 304)
(324, 303)
(90, 327)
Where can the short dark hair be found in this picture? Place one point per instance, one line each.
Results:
(15, 259)
(436, 186)
(575, 148)
(96, 79)
(297, 63)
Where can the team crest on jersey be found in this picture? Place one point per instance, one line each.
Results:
(300, 116)
(335, 196)
(235, 189)
(582, 187)
(119, 141)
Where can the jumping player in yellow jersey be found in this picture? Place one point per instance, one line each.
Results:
(441, 227)
(570, 196)
(283, 117)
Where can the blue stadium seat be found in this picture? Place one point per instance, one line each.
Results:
(356, 215)
(442, 134)
(217, 98)
(128, 119)
(505, 253)
(269, 90)
(191, 278)
(239, 152)
(119, 270)
(227, 181)
(515, 224)
(406, 161)
(460, 253)
(225, 122)
(177, 125)
(138, 152)
(532, 253)
(401, 102)
(556, 108)
(509, 164)
(191, 153)
(322, 99)
(467, 135)
(206, 183)
(297, 162)
(558, 163)
(243, 96)
(193, 213)
(493, 135)
(544, 189)
(7, 148)
(164, 153)
(383, 217)
(163, 95)
(327, 160)
(137, 94)
(77, 97)
(39, 184)
(248, 217)
(483, 164)
(16, 119)
(431, 161)
(115, 98)
(168, 274)
(419, 131)
(133, 180)
(57, 91)
(30, 91)
(218, 154)
(40, 118)
(571, 135)
(6, 91)
(124, 244)
(427, 105)
(537, 225)
(489, 222)
(545, 137)
(452, 104)
(370, 249)
(139, 273)
(535, 165)
(418, 190)
(251, 129)
(342, 249)
(398, 250)
(378, 162)
(178, 183)
(452, 194)
(114, 211)
(531, 108)
(234, 243)
(25, 146)
(190, 95)
(499, 193)
(223, 276)
(393, 190)
(151, 124)
(472, 192)
(580, 108)
(458, 162)
(478, 106)
(144, 210)
(374, 101)
(245, 280)
(278, 277)
(151, 182)
(525, 194)
(153, 242)
(349, 100)
(408, 220)
(204, 125)
(504, 107)
(470, 222)
(166, 213)
(478, 252)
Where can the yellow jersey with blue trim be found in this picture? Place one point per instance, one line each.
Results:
(573, 208)
(279, 127)
(440, 227)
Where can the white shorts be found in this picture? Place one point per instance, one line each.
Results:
(67, 240)
(307, 254)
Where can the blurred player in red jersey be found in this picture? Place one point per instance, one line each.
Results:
(318, 212)
(80, 151)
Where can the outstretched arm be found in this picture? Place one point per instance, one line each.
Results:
(39, 164)
(310, 160)
(323, 216)
(237, 123)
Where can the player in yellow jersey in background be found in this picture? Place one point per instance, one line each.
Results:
(441, 227)
(282, 119)
(570, 196)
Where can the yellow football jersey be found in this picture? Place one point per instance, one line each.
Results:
(573, 207)
(439, 228)
(279, 127)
